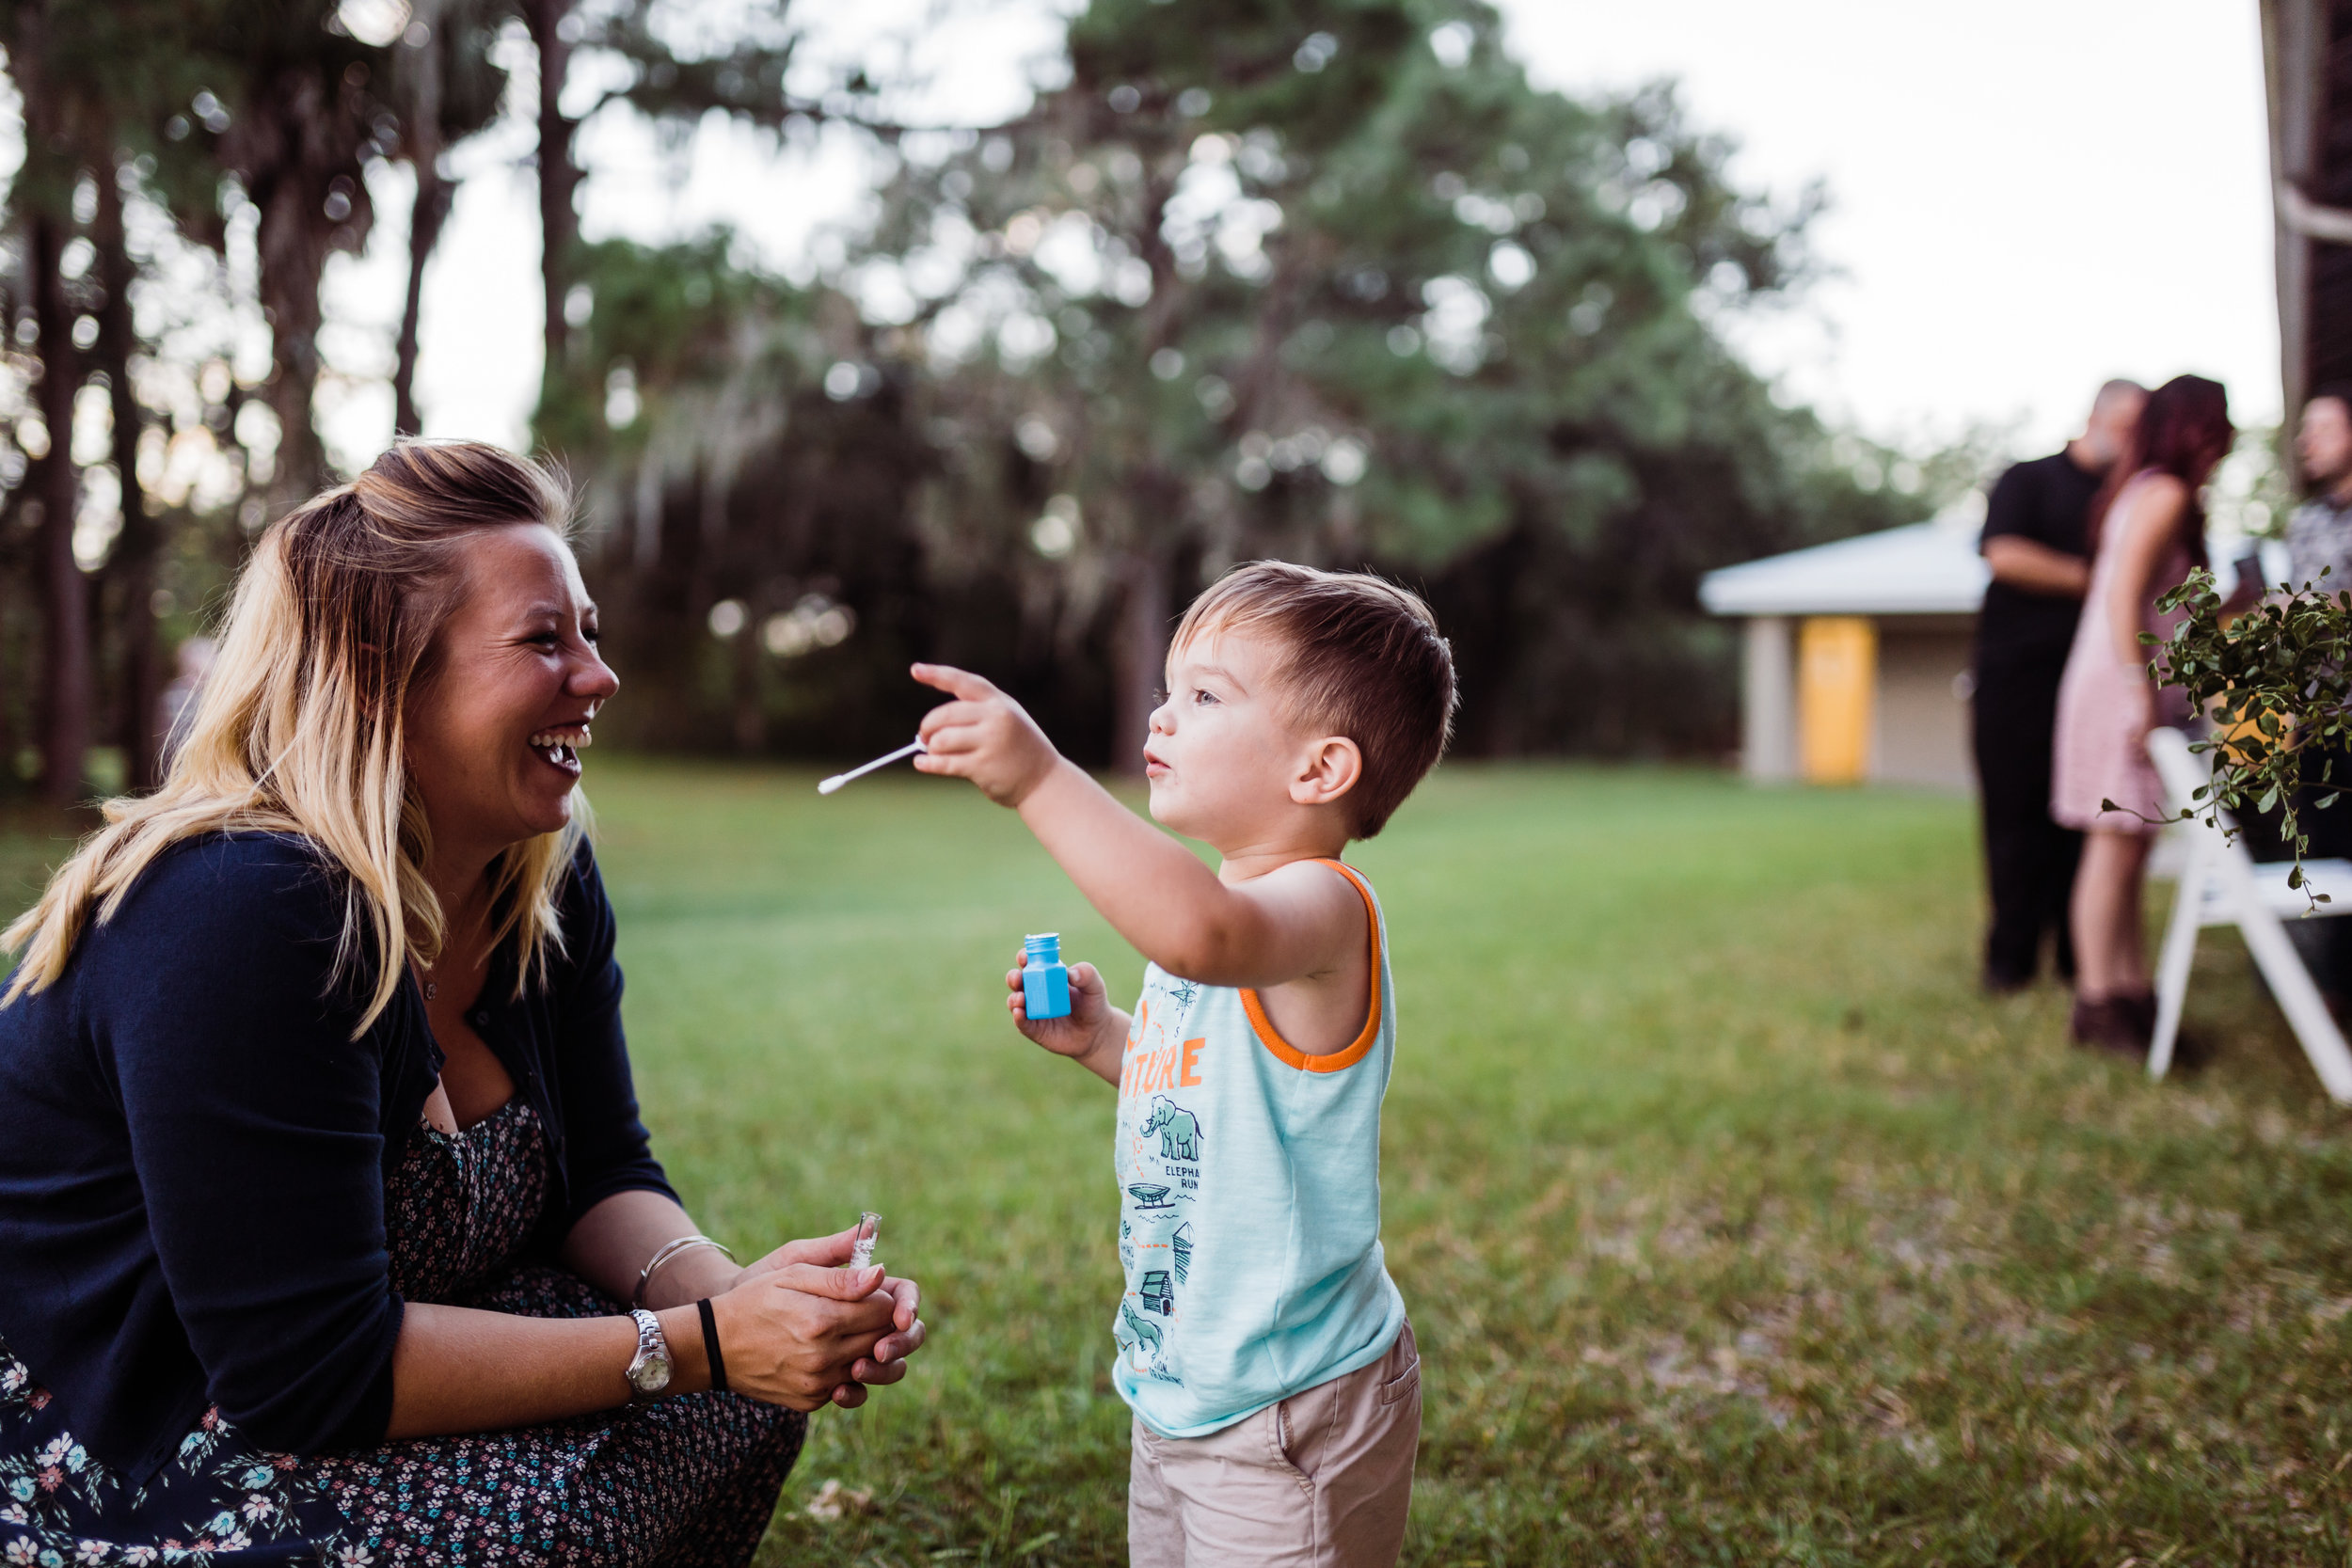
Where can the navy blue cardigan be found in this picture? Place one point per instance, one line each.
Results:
(192, 1149)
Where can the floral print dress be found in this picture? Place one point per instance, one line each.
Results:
(689, 1483)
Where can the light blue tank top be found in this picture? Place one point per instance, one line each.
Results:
(1249, 1202)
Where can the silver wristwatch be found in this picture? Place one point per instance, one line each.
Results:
(649, 1372)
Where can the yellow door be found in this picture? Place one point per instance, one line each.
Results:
(1836, 673)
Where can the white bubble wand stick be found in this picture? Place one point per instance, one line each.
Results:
(862, 1247)
(911, 748)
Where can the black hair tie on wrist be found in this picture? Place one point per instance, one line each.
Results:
(711, 1346)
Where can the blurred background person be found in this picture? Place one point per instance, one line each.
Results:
(2319, 551)
(2036, 542)
(2147, 531)
(2319, 535)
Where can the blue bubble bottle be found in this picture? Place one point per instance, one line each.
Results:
(1044, 979)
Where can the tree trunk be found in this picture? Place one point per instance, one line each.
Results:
(11, 682)
(423, 111)
(297, 149)
(290, 298)
(433, 195)
(44, 193)
(65, 593)
(559, 224)
(1143, 634)
(141, 540)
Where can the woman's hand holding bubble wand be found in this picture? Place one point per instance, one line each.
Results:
(824, 1274)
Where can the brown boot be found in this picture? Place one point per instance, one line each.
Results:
(2110, 1024)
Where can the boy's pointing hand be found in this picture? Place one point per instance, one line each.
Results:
(982, 735)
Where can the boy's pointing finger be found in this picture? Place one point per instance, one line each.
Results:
(955, 682)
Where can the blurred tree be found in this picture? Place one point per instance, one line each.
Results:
(743, 74)
(733, 493)
(673, 63)
(86, 74)
(118, 113)
(1318, 279)
(42, 201)
(555, 26)
(130, 61)
(294, 123)
(142, 537)
(447, 87)
(1329, 279)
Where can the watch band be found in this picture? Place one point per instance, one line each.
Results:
(649, 1371)
(711, 1346)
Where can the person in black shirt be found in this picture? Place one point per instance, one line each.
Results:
(2034, 542)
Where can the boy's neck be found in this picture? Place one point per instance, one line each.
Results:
(1241, 862)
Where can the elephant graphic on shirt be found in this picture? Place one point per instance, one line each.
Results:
(1178, 1128)
(1138, 1331)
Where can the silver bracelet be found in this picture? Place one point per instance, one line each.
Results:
(668, 1251)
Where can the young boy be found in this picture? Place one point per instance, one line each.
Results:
(1261, 1345)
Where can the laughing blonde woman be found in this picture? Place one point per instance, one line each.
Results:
(323, 1199)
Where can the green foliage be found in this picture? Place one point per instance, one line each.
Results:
(1279, 280)
(719, 471)
(1325, 280)
(1272, 279)
(2275, 682)
(741, 72)
(677, 326)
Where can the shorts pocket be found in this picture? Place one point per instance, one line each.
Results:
(1404, 1384)
(1280, 1439)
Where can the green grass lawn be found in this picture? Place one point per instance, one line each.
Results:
(1735, 1226)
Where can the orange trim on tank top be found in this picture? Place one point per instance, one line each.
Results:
(1349, 1054)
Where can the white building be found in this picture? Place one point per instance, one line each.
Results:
(1857, 653)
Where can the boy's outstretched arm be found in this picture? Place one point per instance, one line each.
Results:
(1299, 920)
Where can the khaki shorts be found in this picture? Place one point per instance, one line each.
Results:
(1321, 1480)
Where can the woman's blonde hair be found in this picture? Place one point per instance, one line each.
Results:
(299, 728)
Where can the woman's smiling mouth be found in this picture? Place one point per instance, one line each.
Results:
(561, 747)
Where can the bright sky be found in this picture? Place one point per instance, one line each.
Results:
(2030, 196)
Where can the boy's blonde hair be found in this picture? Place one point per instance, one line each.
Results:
(1362, 658)
(300, 726)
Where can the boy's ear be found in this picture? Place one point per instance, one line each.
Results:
(1330, 771)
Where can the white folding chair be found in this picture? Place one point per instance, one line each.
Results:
(2223, 885)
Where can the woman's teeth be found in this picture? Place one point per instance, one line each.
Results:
(562, 746)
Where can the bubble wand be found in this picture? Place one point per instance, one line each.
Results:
(911, 748)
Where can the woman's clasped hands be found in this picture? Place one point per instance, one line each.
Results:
(798, 1330)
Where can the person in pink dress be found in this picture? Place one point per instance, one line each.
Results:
(2147, 531)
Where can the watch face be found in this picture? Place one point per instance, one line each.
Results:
(652, 1374)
